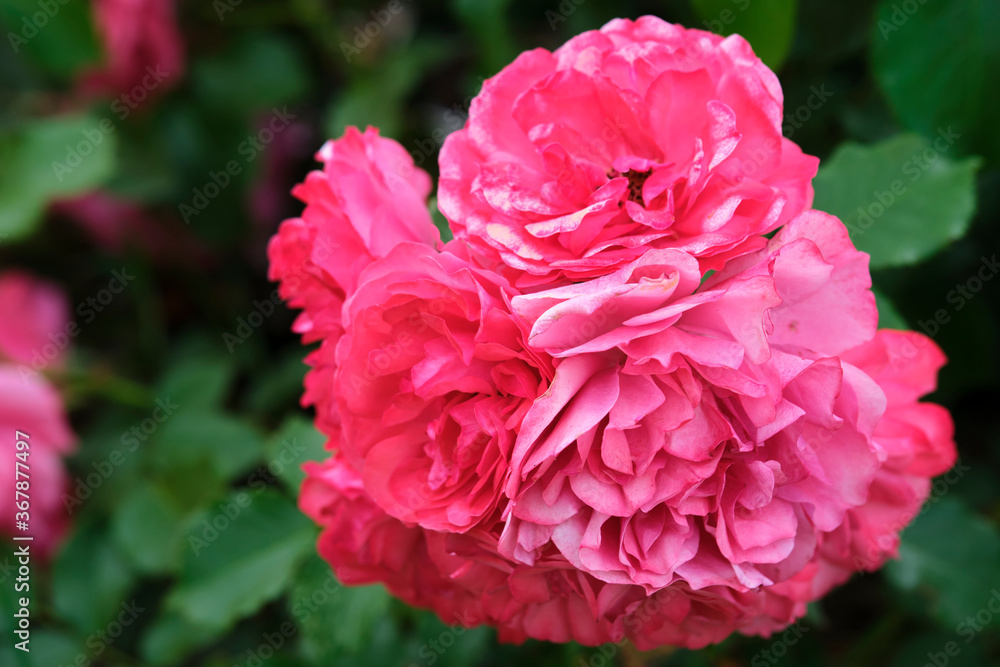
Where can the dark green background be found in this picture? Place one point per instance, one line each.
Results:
(891, 75)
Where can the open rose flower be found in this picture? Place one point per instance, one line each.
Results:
(30, 313)
(612, 407)
(641, 135)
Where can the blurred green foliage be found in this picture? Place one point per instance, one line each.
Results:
(196, 525)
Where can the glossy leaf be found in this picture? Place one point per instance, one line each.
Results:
(902, 199)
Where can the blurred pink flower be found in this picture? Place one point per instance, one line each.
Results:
(30, 311)
(268, 196)
(34, 316)
(143, 50)
(119, 225)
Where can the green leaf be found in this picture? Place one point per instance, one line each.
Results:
(229, 444)
(108, 462)
(61, 44)
(901, 199)
(470, 645)
(279, 386)
(171, 638)
(247, 561)
(198, 379)
(295, 443)
(915, 650)
(377, 99)
(488, 21)
(49, 159)
(49, 647)
(768, 25)
(235, 80)
(91, 579)
(147, 525)
(888, 316)
(314, 603)
(949, 556)
(940, 66)
(334, 619)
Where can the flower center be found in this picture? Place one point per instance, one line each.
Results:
(636, 179)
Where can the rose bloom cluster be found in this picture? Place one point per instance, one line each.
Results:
(642, 394)
(30, 311)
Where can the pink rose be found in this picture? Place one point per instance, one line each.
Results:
(143, 50)
(706, 459)
(29, 312)
(700, 435)
(432, 382)
(641, 135)
(422, 373)
(358, 208)
(611, 408)
(916, 441)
